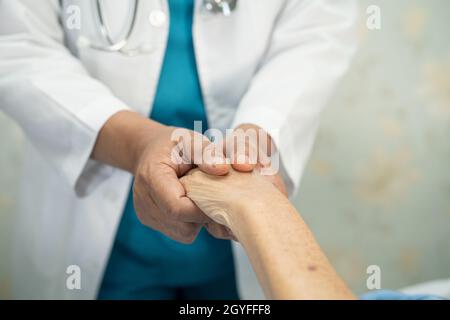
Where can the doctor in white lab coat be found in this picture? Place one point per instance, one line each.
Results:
(272, 64)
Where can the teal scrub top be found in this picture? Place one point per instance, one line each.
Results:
(141, 256)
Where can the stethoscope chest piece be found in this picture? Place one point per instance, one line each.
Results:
(224, 7)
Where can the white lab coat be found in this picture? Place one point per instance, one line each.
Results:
(273, 63)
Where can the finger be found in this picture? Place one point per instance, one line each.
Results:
(206, 155)
(170, 196)
(241, 161)
(243, 167)
(232, 236)
(243, 153)
(183, 232)
(146, 209)
(179, 161)
(218, 231)
(214, 162)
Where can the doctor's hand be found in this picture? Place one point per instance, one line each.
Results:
(147, 149)
(244, 149)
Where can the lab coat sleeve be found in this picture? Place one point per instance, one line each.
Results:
(310, 49)
(49, 94)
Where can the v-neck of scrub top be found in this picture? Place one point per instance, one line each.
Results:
(144, 257)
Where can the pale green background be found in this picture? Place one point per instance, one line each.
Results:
(377, 188)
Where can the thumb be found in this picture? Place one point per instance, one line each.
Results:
(200, 151)
(213, 159)
(242, 159)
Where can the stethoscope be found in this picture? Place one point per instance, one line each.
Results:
(224, 7)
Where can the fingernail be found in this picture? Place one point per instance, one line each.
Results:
(219, 160)
(242, 159)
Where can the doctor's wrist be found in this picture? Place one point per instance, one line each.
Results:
(123, 140)
(143, 141)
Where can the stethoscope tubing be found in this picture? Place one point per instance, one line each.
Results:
(112, 45)
(119, 46)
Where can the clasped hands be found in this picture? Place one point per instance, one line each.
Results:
(179, 199)
(231, 200)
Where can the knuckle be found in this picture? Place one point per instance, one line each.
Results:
(174, 212)
(140, 216)
(144, 218)
(188, 233)
(137, 207)
(186, 240)
(141, 179)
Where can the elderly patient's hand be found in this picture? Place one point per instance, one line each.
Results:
(223, 198)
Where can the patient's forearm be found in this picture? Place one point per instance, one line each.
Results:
(287, 260)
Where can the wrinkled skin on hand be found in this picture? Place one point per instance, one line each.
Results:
(159, 197)
(221, 197)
